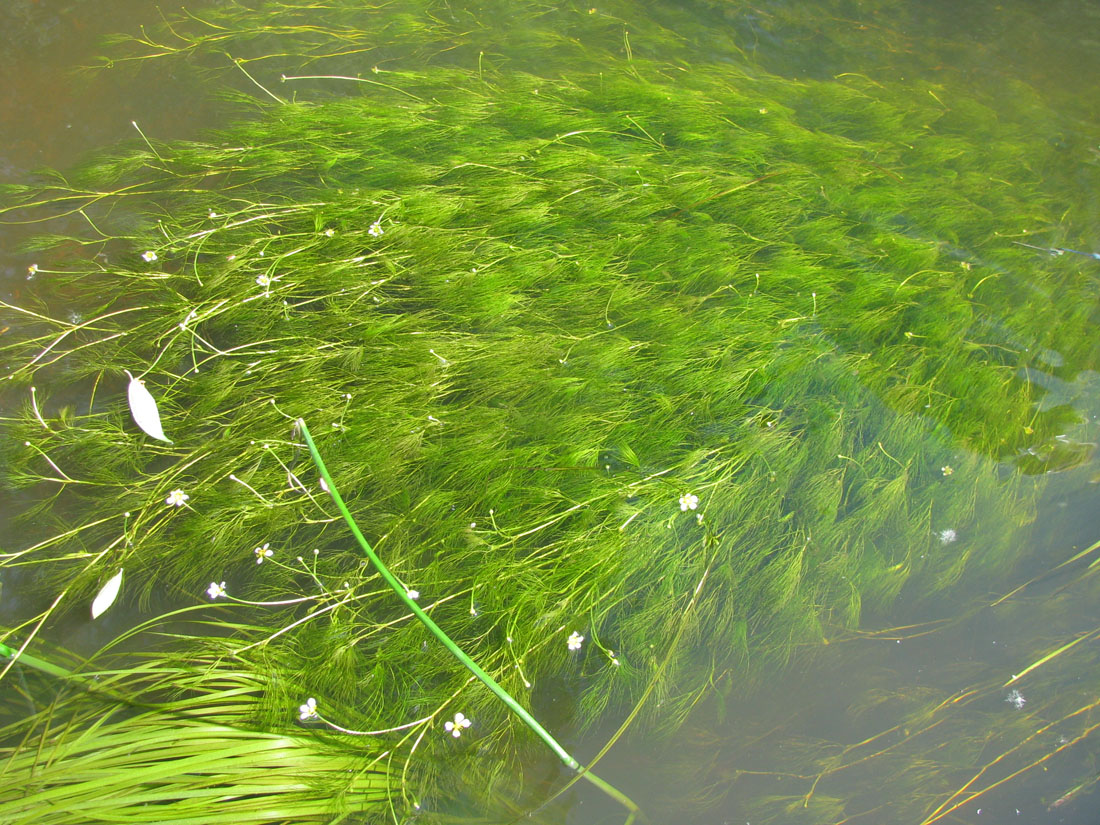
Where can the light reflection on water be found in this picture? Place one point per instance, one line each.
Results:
(51, 117)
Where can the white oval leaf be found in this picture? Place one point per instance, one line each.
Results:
(106, 595)
(144, 408)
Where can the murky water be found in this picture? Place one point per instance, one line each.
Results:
(926, 670)
(58, 104)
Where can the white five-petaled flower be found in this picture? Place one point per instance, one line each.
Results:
(575, 640)
(688, 502)
(264, 552)
(947, 536)
(32, 269)
(328, 233)
(149, 256)
(946, 469)
(263, 280)
(215, 590)
(375, 229)
(1016, 699)
(176, 498)
(455, 728)
(412, 594)
(308, 710)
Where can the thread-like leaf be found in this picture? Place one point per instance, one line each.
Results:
(106, 595)
(144, 408)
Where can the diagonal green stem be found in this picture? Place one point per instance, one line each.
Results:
(35, 662)
(455, 650)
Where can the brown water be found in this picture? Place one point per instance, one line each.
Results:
(55, 109)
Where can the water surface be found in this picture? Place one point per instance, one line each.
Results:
(943, 661)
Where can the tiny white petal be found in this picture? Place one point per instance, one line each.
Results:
(149, 256)
(106, 595)
(143, 407)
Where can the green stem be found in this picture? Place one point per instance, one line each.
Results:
(32, 661)
(455, 650)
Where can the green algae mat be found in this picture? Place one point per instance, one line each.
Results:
(641, 367)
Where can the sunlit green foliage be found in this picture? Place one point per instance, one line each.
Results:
(536, 276)
(174, 740)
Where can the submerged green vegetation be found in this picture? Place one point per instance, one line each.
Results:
(604, 332)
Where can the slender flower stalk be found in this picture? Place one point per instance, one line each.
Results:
(455, 650)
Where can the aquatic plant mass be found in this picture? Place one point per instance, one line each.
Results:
(642, 368)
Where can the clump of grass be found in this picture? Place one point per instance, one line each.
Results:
(577, 336)
(168, 740)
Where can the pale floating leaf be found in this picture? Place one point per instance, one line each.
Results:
(106, 595)
(144, 408)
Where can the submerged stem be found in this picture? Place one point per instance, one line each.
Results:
(455, 650)
(33, 661)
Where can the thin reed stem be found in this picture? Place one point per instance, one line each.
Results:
(455, 650)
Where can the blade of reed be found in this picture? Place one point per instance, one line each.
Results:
(35, 662)
(455, 650)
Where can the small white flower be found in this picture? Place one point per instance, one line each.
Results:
(455, 728)
(213, 214)
(575, 640)
(412, 594)
(149, 256)
(308, 710)
(946, 469)
(375, 230)
(262, 553)
(688, 502)
(263, 280)
(176, 498)
(328, 233)
(947, 536)
(32, 269)
(215, 590)
(1016, 699)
